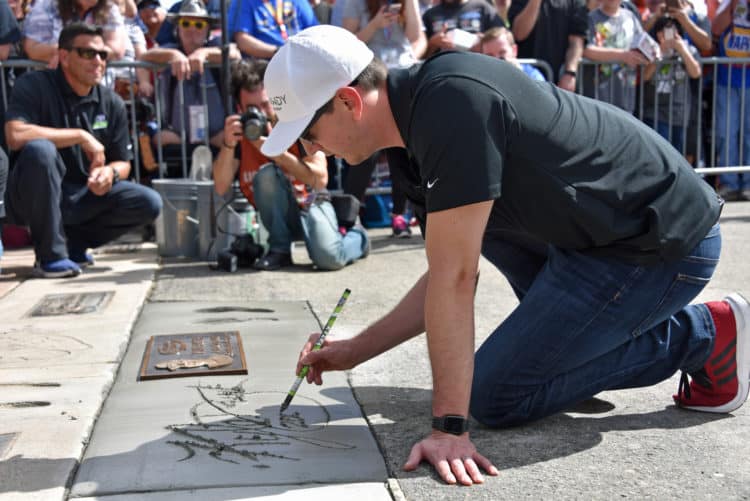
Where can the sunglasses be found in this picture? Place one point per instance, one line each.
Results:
(318, 113)
(198, 24)
(86, 53)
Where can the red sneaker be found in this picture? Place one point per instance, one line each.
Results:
(722, 384)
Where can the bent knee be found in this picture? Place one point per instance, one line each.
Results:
(500, 409)
(39, 151)
(152, 204)
(327, 261)
(266, 179)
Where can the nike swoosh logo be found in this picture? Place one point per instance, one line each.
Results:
(431, 184)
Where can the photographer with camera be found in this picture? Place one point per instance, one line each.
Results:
(277, 186)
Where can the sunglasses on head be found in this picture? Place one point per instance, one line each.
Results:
(197, 23)
(87, 53)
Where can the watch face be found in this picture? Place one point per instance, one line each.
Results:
(455, 425)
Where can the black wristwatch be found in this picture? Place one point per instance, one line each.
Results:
(570, 72)
(115, 175)
(455, 425)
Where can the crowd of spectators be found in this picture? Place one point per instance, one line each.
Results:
(641, 55)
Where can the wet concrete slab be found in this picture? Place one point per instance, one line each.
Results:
(212, 432)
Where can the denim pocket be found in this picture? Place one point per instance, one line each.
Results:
(679, 293)
(691, 274)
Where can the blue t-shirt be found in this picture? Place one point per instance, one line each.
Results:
(734, 42)
(534, 73)
(256, 18)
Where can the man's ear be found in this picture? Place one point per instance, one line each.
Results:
(350, 98)
(62, 57)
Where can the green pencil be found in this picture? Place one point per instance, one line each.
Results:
(318, 344)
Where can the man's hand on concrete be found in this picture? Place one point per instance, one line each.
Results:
(454, 457)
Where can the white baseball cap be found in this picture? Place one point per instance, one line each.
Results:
(305, 74)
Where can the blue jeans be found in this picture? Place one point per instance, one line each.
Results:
(662, 128)
(588, 324)
(281, 216)
(65, 216)
(728, 136)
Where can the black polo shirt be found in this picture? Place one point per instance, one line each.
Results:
(44, 98)
(563, 169)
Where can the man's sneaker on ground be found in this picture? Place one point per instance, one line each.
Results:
(56, 269)
(273, 261)
(82, 259)
(722, 384)
(400, 227)
(730, 194)
(365, 240)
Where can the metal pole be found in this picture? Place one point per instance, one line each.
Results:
(225, 74)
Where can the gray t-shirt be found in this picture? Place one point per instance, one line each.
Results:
(616, 82)
(670, 81)
(390, 46)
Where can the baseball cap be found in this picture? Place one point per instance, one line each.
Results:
(305, 74)
(145, 4)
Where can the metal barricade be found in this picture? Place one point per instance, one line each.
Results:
(127, 70)
(698, 132)
(543, 66)
(164, 93)
(684, 108)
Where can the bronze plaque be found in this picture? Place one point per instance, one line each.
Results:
(194, 354)
(71, 304)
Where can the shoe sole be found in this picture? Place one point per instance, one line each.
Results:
(55, 274)
(741, 310)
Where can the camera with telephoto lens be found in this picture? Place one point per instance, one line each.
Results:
(254, 123)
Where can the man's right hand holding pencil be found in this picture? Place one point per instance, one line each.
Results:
(334, 355)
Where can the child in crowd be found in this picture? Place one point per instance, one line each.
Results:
(498, 42)
(667, 98)
(612, 32)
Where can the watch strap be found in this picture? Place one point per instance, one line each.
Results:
(115, 175)
(450, 423)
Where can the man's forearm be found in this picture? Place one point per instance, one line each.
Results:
(224, 169)
(159, 55)
(19, 133)
(253, 47)
(39, 51)
(524, 23)
(700, 38)
(402, 323)
(574, 53)
(308, 170)
(449, 314)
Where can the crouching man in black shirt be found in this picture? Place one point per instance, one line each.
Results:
(70, 144)
(602, 229)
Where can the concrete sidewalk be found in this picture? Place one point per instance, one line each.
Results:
(55, 373)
